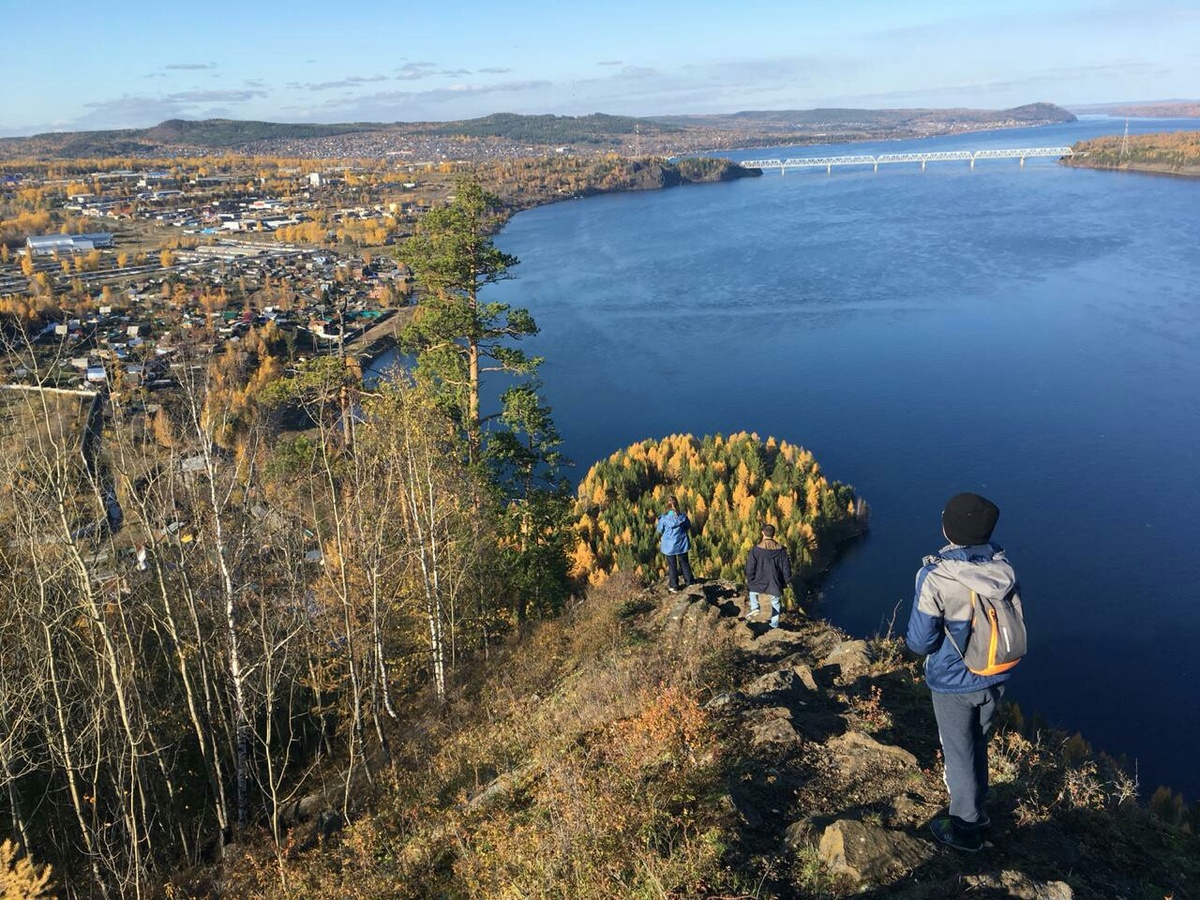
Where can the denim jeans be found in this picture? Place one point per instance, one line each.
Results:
(677, 564)
(754, 595)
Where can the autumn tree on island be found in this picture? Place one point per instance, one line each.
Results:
(730, 486)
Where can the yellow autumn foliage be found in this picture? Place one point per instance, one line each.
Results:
(729, 486)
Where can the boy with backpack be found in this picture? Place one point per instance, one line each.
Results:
(967, 618)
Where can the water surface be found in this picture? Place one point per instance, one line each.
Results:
(1031, 333)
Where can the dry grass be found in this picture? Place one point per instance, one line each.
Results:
(586, 768)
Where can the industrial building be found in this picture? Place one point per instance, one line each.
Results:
(47, 244)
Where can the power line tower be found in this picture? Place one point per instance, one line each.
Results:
(1124, 144)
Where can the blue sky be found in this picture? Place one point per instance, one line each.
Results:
(75, 65)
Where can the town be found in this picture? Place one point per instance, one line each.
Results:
(200, 259)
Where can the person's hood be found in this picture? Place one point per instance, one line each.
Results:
(770, 544)
(983, 569)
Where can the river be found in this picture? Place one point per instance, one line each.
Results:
(1030, 333)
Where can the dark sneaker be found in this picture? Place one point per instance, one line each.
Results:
(982, 824)
(948, 833)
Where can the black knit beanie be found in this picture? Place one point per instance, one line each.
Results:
(968, 519)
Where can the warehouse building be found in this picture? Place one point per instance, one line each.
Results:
(47, 244)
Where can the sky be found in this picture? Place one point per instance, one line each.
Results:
(82, 66)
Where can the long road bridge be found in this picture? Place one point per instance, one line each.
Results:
(828, 162)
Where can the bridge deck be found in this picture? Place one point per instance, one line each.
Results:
(826, 162)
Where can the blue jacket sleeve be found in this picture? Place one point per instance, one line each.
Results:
(925, 622)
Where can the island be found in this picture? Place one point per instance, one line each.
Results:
(1174, 153)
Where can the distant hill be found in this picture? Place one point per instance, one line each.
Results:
(663, 135)
(550, 129)
(1173, 109)
(219, 133)
(842, 119)
(1146, 109)
(167, 137)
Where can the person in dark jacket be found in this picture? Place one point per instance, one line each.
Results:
(674, 526)
(768, 572)
(964, 703)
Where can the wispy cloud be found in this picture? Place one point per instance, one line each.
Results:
(1032, 85)
(400, 105)
(496, 70)
(414, 70)
(138, 110)
(638, 72)
(228, 96)
(190, 66)
(351, 81)
(611, 62)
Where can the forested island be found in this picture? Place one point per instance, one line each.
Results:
(1173, 153)
(729, 486)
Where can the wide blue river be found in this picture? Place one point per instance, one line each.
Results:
(1032, 334)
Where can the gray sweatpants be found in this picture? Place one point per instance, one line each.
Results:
(964, 725)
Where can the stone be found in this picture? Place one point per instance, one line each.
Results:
(772, 726)
(748, 811)
(805, 832)
(870, 854)
(724, 701)
(504, 787)
(850, 657)
(861, 753)
(782, 681)
(805, 674)
(1020, 885)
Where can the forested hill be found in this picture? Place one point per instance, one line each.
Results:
(591, 129)
(885, 120)
(511, 135)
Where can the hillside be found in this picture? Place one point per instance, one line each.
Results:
(880, 122)
(1173, 153)
(648, 745)
(1158, 109)
(511, 135)
(592, 129)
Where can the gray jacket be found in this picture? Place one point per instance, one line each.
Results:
(943, 603)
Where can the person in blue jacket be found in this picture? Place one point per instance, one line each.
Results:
(674, 526)
(964, 703)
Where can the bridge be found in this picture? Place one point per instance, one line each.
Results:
(828, 162)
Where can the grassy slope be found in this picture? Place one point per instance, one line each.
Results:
(607, 755)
